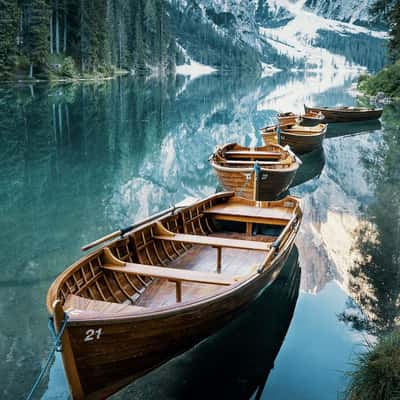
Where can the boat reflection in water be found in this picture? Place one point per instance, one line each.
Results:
(352, 128)
(234, 363)
(312, 166)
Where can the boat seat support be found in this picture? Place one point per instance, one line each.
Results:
(171, 274)
(216, 242)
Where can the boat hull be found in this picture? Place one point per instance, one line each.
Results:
(128, 349)
(298, 142)
(301, 144)
(272, 182)
(332, 115)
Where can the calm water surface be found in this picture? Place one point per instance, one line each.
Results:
(79, 161)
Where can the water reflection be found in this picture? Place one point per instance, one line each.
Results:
(80, 160)
(313, 164)
(375, 276)
(236, 362)
(353, 128)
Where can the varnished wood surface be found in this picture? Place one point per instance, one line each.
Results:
(215, 241)
(235, 173)
(301, 139)
(347, 114)
(172, 274)
(164, 317)
(76, 305)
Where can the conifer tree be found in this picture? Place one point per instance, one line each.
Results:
(9, 18)
(36, 34)
(394, 21)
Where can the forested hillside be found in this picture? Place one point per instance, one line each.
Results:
(388, 79)
(65, 37)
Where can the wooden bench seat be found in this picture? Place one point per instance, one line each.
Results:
(252, 154)
(237, 162)
(247, 213)
(75, 305)
(172, 274)
(216, 242)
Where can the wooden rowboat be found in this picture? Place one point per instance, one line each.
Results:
(234, 167)
(301, 139)
(346, 114)
(288, 118)
(162, 287)
(310, 118)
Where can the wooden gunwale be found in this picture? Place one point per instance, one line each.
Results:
(268, 130)
(81, 320)
(131, 339)
(66, 274)
(347, 114)
(248, 170)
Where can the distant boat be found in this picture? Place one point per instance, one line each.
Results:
(301, 139)
(164, 285)
(346, 114)
(307, 119)
(234, 167)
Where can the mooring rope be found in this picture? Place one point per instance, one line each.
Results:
(57, 347)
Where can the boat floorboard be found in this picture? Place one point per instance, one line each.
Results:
(235, 262)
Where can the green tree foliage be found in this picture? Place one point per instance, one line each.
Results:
(9, 17)
(35, 43)
(376, 376)
(390, 9)
(95, 34)
(100, 35)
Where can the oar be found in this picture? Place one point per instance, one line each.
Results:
(122, 231)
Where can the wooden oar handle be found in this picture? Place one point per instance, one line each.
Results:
(103, 239)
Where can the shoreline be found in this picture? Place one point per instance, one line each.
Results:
(65, 80)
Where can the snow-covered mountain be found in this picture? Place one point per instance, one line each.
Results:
(278, 32)
(355, 12)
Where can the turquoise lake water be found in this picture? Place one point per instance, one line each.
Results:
(80, 160)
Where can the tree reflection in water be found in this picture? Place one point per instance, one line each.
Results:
(375, 278)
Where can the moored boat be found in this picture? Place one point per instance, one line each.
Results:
(301, 139)
(310, 118)
(234, 167)
(346, 114)
(288, 118)
(165, 285)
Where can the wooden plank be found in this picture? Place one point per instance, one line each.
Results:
(172, 274)
(254, 220)
(243, 210)
(238, 162)
(257, 154)
(73, 303)
(216, 241)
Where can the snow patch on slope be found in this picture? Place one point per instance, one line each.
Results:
(191, 68)
(296, 38)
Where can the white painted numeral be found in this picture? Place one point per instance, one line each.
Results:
(92, 334)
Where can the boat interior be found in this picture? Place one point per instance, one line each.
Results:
(297, 129)
(306, 129)
(185, 256)
(314, 115)
(269, 156)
